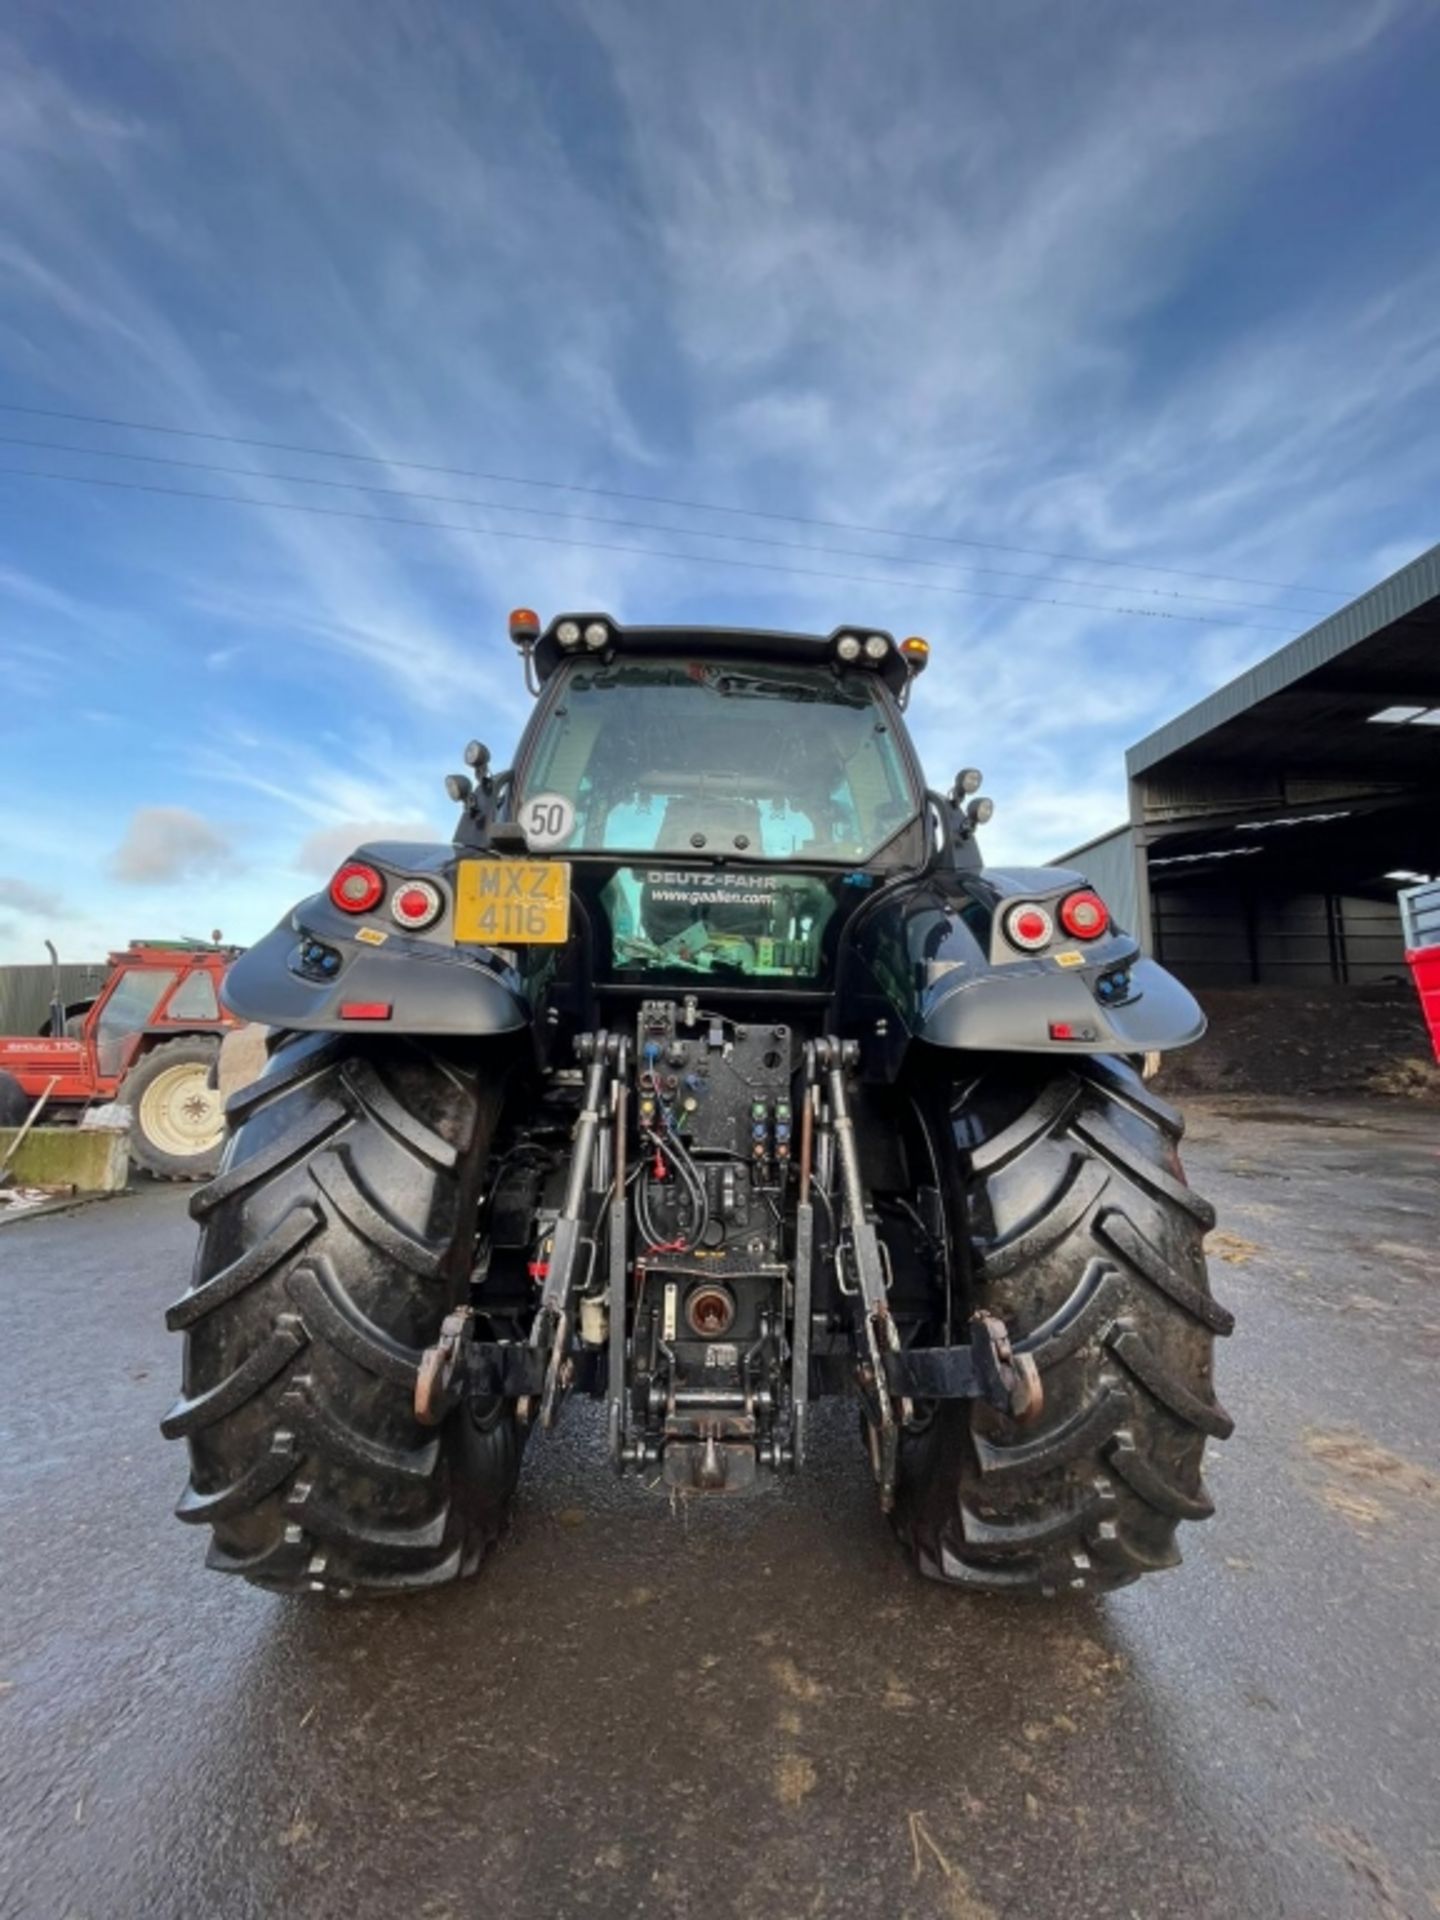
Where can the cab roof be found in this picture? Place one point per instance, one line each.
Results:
(734, 643)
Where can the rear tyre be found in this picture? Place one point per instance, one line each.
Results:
(334, 1241)
(1089, 1246)
(14, 1101)
(177, 1121)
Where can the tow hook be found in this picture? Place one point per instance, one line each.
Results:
(438, 1365)
(987, 1368)
(1008, 1380)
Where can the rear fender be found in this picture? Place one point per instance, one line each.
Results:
(956, 981)
(320, 961)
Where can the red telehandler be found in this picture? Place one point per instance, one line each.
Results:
(149, 1039)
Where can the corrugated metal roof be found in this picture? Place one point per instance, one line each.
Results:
(1404, 593)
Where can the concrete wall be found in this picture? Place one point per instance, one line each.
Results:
(89, 1159)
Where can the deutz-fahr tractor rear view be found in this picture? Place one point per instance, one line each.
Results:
(709, 1072)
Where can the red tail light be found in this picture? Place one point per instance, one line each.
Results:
(1029, 926)
(1084, 915)
(356, 887)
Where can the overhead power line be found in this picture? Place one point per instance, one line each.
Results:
(666, 500)
(642, 526)
(647, 553)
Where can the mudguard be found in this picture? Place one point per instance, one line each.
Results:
(319, 961)
(941, 960)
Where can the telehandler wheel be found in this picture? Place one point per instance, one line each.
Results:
(333, 1242)
(177, 1124)
(1088, 1243)
(14, 1102)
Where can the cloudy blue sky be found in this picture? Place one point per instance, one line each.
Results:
(1153, 288)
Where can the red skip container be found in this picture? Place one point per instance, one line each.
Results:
(1420, 918)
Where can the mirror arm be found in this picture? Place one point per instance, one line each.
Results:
(957, 848)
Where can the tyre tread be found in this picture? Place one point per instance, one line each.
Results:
(275, 1352)
(326, 1250)
(333, 1316)
(284, 1073)
(1131, 1347)
(300, 1224)
(335, 1175)
(264, 1474)
(303, 1137)
(375, 1098)
(1091, 1251)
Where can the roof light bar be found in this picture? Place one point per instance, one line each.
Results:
(864, 649)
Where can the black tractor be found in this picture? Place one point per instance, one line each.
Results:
(708, 1072)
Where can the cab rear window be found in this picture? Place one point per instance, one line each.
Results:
(194, 999)
(674, 756)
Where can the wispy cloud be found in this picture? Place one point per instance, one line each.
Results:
(1100, 281)
(164, 844)
(322, 851)
(27, 898)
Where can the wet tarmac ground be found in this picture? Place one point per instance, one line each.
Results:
(752, 1708)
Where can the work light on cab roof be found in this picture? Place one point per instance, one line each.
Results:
(570, 635)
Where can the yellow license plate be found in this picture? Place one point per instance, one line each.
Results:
(513, 903)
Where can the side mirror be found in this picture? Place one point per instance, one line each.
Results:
(480, 801)
(952, 826)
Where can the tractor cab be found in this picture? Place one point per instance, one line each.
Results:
(723, 798)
